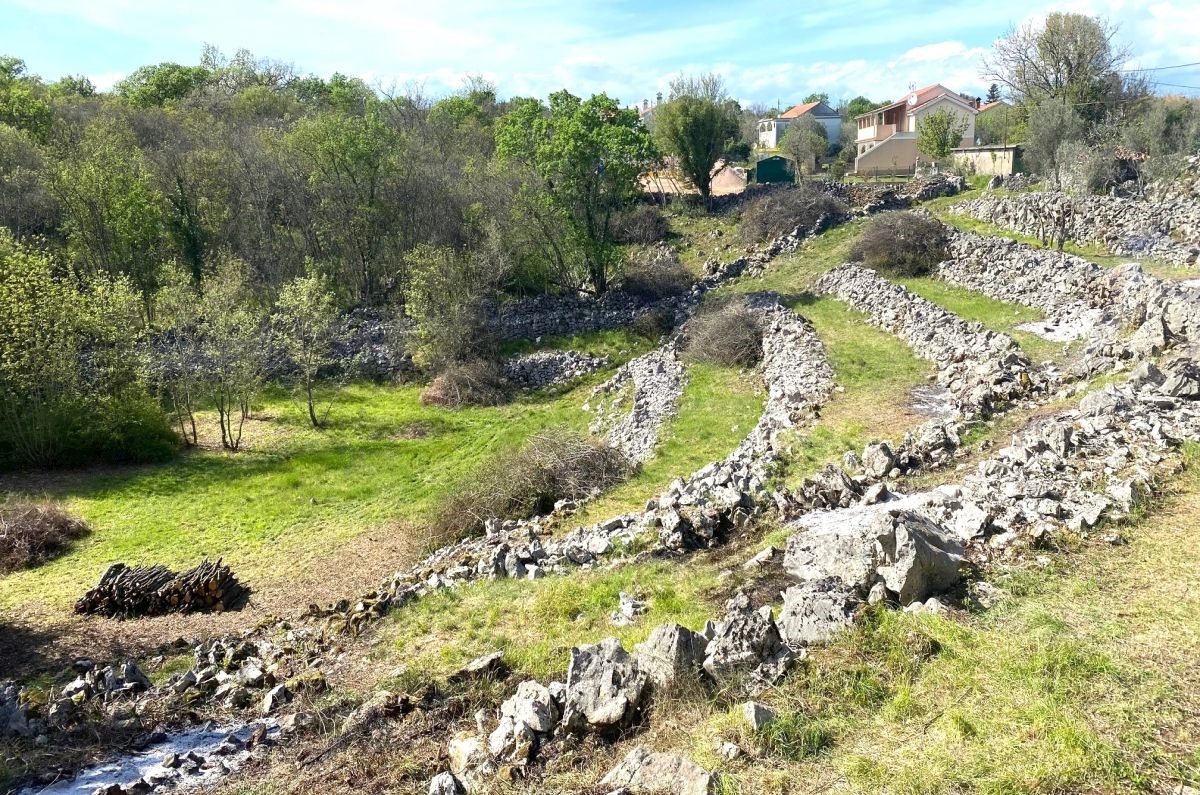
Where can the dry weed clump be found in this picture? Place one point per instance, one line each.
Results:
(33, 533)
(654, 273)
(726, 333)
(901, 244)
(554, 465)
(477, 383)
(780, 212)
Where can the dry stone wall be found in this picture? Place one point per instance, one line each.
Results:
(651, 386)
(983, 369)
(1126, 227)
(551, 368)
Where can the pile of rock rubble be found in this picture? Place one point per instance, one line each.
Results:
(631, 407)
(1079, 297)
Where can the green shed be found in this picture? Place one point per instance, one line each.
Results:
(775, 168)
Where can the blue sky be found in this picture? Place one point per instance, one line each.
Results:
(766, 50)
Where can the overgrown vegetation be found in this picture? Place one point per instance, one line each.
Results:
(32, 533)
(72, 381)
(478, 382)
(553, 465)
(724, 331)
(654, 273)
(780, 212)
(901, 244)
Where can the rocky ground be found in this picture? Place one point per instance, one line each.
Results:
(855, 537)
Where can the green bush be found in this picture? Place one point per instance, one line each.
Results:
(901, 244)
(72, 379)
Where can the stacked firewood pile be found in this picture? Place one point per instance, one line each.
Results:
(131, 591)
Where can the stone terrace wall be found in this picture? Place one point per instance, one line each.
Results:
(1126, 227)
(983, 369)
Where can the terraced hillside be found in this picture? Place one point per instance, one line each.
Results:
(932, 537)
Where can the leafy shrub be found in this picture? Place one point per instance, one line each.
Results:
(724, 332)
(779, 212)
(72, 378)
(901, 243)
(475, 383)
(554, 465)
(654, 273)
(642, 225)
(33, 533)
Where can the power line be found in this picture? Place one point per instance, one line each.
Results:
(1160, 68)
(1176, 85)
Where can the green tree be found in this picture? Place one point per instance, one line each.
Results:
(939, 132)
(22, 99)
(112, 212)
(348, 161)
(1051, 125)
(233, 347)
(587, 157)
(74, 86)
(307, 327)
(698, 127)
(162, 84)
(817, 97)
(805, 143)
(448, 297)
(993, 93)
(858, 106)
(71, 369)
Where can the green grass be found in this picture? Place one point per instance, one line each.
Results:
(537, 622)
(693, 235)
(718, 408)
(620, 345)
(1086, 678)
(1093, 252)
(876, 372)
(384, 458)
(993, 314)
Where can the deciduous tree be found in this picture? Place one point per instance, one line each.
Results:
(939, 132)
(698, 126)
(587, 157)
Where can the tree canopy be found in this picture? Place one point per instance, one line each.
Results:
(699, 125)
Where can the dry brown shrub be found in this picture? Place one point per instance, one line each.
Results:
(901, 243)
(779, 212)
(477, 383)
(556, 464)
(33, 533)
(726, 333)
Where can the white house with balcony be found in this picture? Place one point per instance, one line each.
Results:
(887, 136)
(772, 130)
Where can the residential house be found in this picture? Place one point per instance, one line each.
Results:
(887, 136)
(771, 130)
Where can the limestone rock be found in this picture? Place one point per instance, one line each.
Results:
(813, 612)
(671, 653)
(747, 644)
(644, 772)
(604, 688)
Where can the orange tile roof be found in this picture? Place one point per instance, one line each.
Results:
(797, 111)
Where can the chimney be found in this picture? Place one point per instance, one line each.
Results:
(658, 98)
(645, 104)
